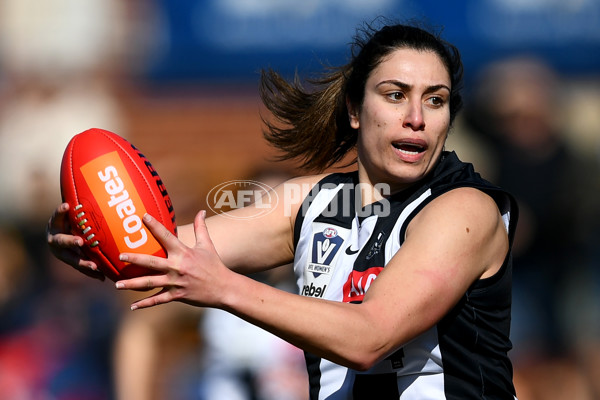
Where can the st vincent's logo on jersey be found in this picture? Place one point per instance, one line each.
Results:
(358, 283)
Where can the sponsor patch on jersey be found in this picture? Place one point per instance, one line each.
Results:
(358, 283)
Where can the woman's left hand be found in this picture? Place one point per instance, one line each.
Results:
(193, 275)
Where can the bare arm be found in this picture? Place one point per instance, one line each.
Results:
(244, 243)
(249, 244)
(457, 239)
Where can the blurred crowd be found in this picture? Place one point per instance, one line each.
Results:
(64, 336)
(521, 115)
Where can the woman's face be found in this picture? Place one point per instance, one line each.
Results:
(404, 119)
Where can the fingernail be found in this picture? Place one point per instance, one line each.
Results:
(119, 285)
(133, 307)
(123, 257)
(147, 217)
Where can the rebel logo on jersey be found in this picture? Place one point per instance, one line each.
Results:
(313, 291)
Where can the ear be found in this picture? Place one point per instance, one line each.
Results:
(352, 114)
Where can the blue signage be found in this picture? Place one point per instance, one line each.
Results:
(208, 40)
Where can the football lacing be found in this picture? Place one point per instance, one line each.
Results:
(85, 229)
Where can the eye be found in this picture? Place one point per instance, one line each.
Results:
(436, 101)
(395, 96)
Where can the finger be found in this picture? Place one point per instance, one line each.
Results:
(65, 240)
(162, 297)
(146, 282)
(200, 230)
(67, 249)
(59, 219)
(162, 234)
(76, 259)
(62, 209)
(91, 272)
(81, 264)
(146, 260)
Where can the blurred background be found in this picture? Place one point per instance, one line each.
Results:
(179, 79)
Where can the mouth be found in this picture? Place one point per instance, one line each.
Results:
(409, 148)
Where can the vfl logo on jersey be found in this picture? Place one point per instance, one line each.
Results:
(358, 283)
(320, 264)
(324, 248)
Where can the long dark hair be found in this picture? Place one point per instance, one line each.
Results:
(312, 125)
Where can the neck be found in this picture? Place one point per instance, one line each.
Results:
(371, 190)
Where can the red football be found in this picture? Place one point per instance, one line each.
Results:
(110, 185)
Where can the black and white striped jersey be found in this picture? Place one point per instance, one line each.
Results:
(340, 250)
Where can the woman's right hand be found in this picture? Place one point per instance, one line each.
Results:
(67, 247)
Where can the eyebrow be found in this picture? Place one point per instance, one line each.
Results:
(407, 87)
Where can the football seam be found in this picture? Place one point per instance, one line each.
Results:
(77, 199)
(72, 174)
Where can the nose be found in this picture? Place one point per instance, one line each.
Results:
(414, 117)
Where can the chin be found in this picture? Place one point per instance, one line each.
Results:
(399, 180)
